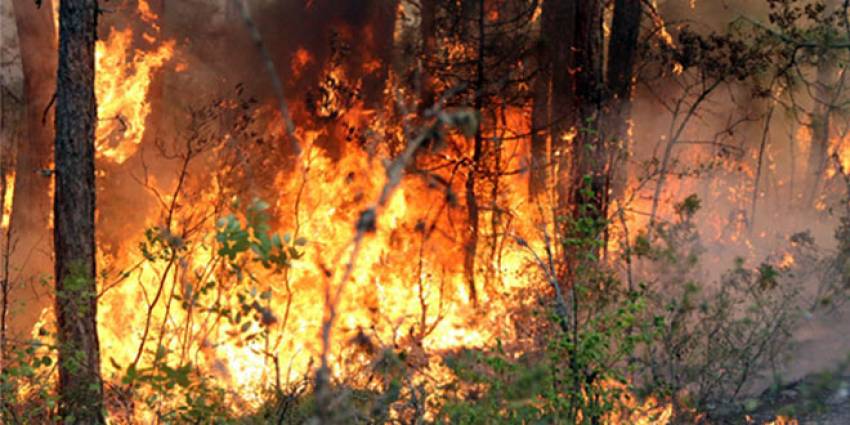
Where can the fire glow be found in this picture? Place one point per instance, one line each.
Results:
(122, 82)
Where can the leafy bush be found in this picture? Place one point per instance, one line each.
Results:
(717, 338)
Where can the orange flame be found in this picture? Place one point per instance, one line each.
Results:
(6, 208)
(124, 74)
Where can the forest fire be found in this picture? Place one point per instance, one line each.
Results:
(434, 213)
(393, 300)
(390, 300)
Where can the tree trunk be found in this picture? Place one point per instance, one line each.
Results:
(428, 35)
(379, 34)
(11, 119)
(30, 220)
(622, 48)
(588, 159)
(541, 116)
(623, 42)
(80, 386)
(562, 15)
(824, 100)
(471, 246)
(820, 125)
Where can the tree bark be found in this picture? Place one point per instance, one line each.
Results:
(380, 31)
(622, 48)
(825, 100)
(820, 125)
(80, 385)
(622, 54)
(564, 113)
(588, 159)
(30, 220)
(541, 116)
(428, 35)
(10, 134)
(471, 245)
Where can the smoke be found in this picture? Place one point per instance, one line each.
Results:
(718, 160)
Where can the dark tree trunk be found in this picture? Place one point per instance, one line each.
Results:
(380, 34)
(428, 35)
(539, 160)
(541, 116)
(588, 159)
(622, 48)
(471, 246)
(80, 386)
(30, 221)
(562, 16)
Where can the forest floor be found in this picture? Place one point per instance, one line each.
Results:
(822, 399)
(817, 389)
(838, 416)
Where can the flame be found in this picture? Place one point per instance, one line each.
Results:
(787, 261)
(377, 299)
(651, 411)
(147, 15)
(123, 77)
(840, 146)
(301, 59)
(8, 196)
(662, 26)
